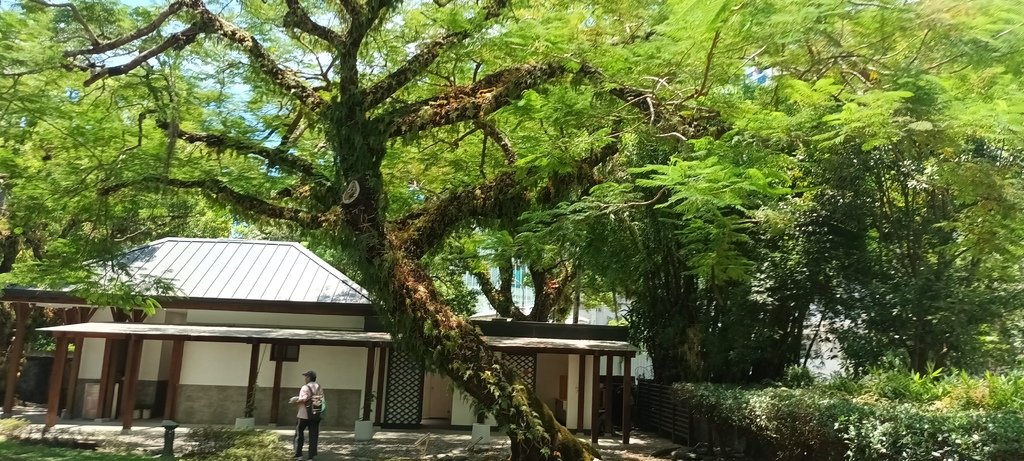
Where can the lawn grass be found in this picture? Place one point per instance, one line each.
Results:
(11, 450)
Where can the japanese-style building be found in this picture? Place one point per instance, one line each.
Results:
(248, 317)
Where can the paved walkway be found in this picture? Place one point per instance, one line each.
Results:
(147, 436)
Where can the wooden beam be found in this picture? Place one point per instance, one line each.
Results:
(580, 397)
(607, 390)
(60, 356)
(275, 395)
(380, 384)
(254, 368)
(74, 316)
(17, 351)
(174, 379)
(131, 382)
(371, 355)
(237, 305)
(627, 399)
(86, 313)
(595, 402)
(107, 379)
(73, 370)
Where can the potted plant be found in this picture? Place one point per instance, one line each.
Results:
(481, 430)
(364, 428)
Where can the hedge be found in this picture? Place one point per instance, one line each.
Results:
(875, 418)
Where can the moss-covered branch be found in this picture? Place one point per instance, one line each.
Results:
(275, 157)
(240, 202)
(298, 17)
(470, 102)
(419, 62)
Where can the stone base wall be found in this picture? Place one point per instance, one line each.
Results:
(150, 395)
(198, 404)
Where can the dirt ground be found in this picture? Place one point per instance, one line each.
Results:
(387, 445)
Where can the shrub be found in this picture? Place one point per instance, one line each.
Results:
(229, 444)
(884, 416)
(13, 428)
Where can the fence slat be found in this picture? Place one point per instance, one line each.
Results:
(660, 412)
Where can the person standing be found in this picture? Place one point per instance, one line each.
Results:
(307, 421)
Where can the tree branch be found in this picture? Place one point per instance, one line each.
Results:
(225, 194)
(285, 79)
(298, 17)
(275, 157)
(468, 102)
(504, 196)
(695, 123)
(419, 62)
(177, 41)
(98, 47)
(499, 138)
(389, 85)
(500, 298)
(76, 14)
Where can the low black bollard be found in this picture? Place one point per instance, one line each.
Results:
(169, 427)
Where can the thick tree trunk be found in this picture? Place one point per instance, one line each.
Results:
(455, 347)
(411, 306)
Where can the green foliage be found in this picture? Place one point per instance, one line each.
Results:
(223, 443)
(25, 451)
(886, 415)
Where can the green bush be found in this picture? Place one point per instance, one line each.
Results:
(884, 416)
(229, 444)
(13, 428)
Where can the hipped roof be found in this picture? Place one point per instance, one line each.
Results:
(225, 273)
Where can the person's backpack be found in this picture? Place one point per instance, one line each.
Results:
(316, 405)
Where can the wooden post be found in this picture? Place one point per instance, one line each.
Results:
(380, 384)
(130, 383)
(174, 379)
(60, 356)
(627, 399)
(371, 355)
(275, 395)
(581, 395)
(74, 316)
(595, 404)
(254, 368)
(21, 313)
(106, 396)
(608, 396)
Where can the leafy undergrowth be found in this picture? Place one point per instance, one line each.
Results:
(883, 416)
(229, 444)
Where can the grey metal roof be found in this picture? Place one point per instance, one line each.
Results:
(253, 270)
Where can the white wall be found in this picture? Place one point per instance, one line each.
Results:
(271, 319)
(222, 364)
(152, 351)
(462, 411)
(574, 390)
(227, 364)
(92, 358)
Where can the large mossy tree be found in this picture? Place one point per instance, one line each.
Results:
(316, 104)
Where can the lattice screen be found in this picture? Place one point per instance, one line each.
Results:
(403, 402)
(526, 364)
